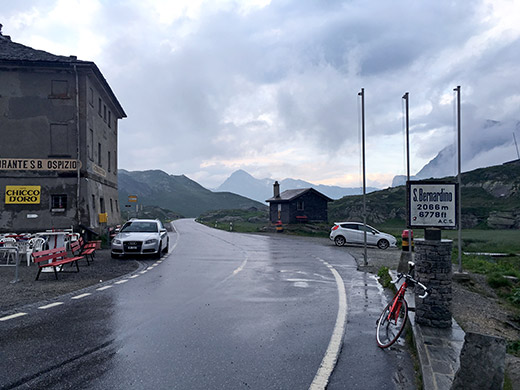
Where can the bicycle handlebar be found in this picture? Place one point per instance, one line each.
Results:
(408, 277)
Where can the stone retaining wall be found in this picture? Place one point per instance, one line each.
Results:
(433, 268)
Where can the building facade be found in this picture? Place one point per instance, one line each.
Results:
(58, 142)
(297, 206)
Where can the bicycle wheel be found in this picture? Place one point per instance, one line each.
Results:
(389, 330)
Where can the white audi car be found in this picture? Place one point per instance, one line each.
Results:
(141, 237)
(353, 233)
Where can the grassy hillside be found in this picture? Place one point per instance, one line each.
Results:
(177, 193)
(490, 199)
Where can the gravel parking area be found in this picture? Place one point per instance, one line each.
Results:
(28, 290)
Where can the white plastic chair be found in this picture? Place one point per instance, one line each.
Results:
(9, 242)
(34, 245)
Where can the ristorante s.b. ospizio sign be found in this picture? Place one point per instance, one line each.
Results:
(39, 164)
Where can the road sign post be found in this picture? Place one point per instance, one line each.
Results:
(433, 206)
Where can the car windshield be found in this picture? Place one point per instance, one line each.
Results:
(143, 227)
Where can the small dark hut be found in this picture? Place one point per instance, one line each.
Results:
(296, 206)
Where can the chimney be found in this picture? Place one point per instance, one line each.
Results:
(4, 37)
(276, 189)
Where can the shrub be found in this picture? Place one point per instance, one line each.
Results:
(515, 296)
(384, 277)
(513, 347)
(497, 280)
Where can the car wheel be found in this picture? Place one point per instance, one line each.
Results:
(167, 246)
(340, 241)
(383, 244)
(159, 253)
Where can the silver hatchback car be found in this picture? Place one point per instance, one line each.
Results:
(354, 233)
(141, 237)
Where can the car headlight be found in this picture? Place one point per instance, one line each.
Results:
(150, 241)
(117, 242)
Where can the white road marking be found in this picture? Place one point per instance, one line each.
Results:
(121, 281)
(134, 276)
(103, 288)
(50, 305)
(149, 268)
(143, 272)
(81, 296)
(331, 355)
(241, 267)
(12, 316)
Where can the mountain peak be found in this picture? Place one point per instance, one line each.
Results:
(240, 172)
(242, 183)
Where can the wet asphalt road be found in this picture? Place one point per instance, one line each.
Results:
(221, 311)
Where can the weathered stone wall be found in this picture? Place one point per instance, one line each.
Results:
(482, 363)
(433, 268)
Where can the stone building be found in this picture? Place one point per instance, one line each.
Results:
(58, 142)
(298, 205)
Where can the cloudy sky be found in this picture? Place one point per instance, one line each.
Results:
(271, 87)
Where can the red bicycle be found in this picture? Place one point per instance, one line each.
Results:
(391, 323)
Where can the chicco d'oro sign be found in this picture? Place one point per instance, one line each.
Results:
(22, 194)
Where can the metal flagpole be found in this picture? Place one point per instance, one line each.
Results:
(362, 94)
(459, 181)
(406, 98)
(407, 256)
(516, 145)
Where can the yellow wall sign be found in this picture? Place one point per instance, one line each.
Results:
(22, 194)
(132, 198)
(103, 217)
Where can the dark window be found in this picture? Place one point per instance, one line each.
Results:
(111, 206)
(368, 229)
(91, 96)
(109, 161)
(90, 144)
(109, 118)
(115, 162)
(94, 203)
(350, 226)
(99, 153)
(100, 106)
(59, 88)
(58, 202)
(102, 205)
(60, 140)
(117, 206)
(299, 205)
(104, 112)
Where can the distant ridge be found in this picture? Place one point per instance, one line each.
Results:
(177, 193)
(242, 183)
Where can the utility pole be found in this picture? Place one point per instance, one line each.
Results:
(362, 94)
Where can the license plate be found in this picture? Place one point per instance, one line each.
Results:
(132, 247)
